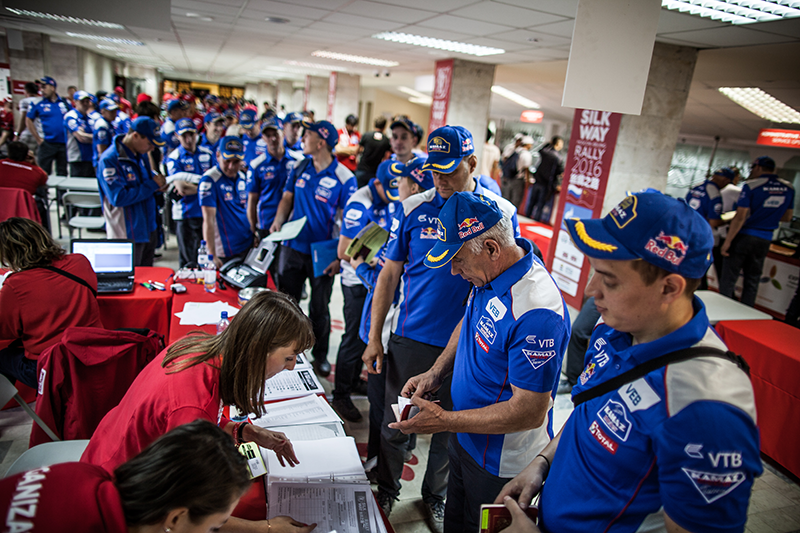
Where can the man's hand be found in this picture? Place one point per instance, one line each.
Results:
(286, 524)
(526, 485)
(356, 261)
(272, 440)
(39, 141)
(724, 248)
(520, 523)
(31, 158)
(276, 226)
(161, 181)
(421, 385)
(373, 355)
(430, 419)
(218, 263)
(332, 269)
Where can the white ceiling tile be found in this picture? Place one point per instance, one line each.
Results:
(287, 10)
(464, 25)
(436, 33)
(788, 27)
(728, 36)
(333, 33)
(387, 12)
(371, 25)
(562, 29)
(527, 37)
(439, 6)
(669, 21)
(505, 14)
(564, 8)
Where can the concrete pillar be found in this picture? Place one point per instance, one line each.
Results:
(348, 93)
(470, 98)
(317, 97)
(646, 142)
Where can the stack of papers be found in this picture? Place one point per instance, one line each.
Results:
(292, 384)
(308, 418)
(329, 460)
(204, 313)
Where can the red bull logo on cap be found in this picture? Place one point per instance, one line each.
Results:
(470, 226)
(468, 222)
(673, 250)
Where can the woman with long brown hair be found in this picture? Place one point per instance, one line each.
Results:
(47, 291)
(199, 374)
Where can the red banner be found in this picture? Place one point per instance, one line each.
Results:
(591, 150)
(782, 138)
(443, 76)
(532, 116)
(331, 96)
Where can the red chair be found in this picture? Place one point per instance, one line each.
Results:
(17, 203)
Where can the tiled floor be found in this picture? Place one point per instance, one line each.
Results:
(774, 506)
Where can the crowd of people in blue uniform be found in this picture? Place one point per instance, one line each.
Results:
(458, 312)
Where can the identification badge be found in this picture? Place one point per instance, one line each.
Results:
(255, 463)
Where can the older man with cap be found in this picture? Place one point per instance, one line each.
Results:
(765, 201)
(663, 436)
(79, 136)
(292, 124)
(504, 358)
(185, 167)
(103, 131)
(376, 202)
(318, 189)
(127, 188)
(422, 325)
(50, 111)
(249, 130)
(223, 202)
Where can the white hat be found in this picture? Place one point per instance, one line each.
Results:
(527, 140)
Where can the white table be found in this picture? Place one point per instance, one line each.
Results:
(719, 307)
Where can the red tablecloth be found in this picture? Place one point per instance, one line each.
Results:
(771, 350)
(529, 231)
(142, 308)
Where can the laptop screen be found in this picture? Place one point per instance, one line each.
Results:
(106, 257)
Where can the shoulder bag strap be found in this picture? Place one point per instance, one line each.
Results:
(73, 277)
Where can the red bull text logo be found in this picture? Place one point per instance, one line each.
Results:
(468, 227)
(674, 249)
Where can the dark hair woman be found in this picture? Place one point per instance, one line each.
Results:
(46, 292)
(199, 374)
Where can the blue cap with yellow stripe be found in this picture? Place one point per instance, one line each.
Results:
(388, 173)
(446, 147)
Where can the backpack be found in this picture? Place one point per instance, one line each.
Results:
(510, 166)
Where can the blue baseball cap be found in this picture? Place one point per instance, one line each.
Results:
(231, 147)
(765, 162)
(247, 118)
(324, 129)
(211, 116)
(147, 127)
(446, 147)
(464, 216)
(177, 103)
(726, 172)
(107, 104)
(81, 95)
(413, 170)
(294, 116)
(273, 122)
(388, 173)
(651, 226)
(184, 125)
(404, 122)
(47, 80)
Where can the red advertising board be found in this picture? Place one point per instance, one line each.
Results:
(331, 95)
(532, 116)
(443, 77)
(591, 150)
(783, 138)
(18, 86)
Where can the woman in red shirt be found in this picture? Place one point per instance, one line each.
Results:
(46, 292)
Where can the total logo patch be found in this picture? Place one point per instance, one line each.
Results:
(486, 327)
(538, 358)
(713, 486)
(480, 342)
(600, 436)
(614, 417)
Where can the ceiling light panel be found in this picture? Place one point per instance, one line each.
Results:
(354, 59)
(514, 97)
(116, 40)
(762, 104)
(438, 44)
(736, 11)
(62, 18)
(318, 66)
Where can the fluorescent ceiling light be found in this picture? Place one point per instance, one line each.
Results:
(424, 100)
(410, 92)
(514, 97)
(762, 104)
(318, 66)
(200, 17)
(116, 40)
(354, 59)
(62, 18)
(439, 44)
(736, 11)
(113, 48)
(416, 96)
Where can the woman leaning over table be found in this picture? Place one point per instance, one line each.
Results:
(200, 373)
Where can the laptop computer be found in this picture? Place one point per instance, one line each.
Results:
(112, 261)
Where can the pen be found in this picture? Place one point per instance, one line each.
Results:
(157, 285)
(147, 286)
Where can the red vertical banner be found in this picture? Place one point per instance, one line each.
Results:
(331, 95)
(306, 92)
(442, 79)
(591, 150)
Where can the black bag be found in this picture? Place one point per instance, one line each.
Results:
(510, 166)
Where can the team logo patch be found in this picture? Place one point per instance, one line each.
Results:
(353, 214)
(322, 194)
(538, 358)
(350, 223)
(395, 224)
(496, 309)
(439, 145)
(480, 342)
(301, 184)
(466, 144)
(530, 339)
(674, 249)
(614, 417)
(428, 233)
(694, 450)
(600, 436)
(227, 196)
(638, 395)
(624, 212)
(587, 373)
(108, 172)
(204, 157)
(441, 231)
(330, 183)
(713, 486)
(486, 327)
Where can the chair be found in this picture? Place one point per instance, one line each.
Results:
(85, 200)
(17, 203)
(8, 391)
(49, 453)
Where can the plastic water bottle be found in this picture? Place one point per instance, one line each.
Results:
(223, 323)
(202, 255)
(210, 274)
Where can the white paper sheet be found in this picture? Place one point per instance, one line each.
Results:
(292, 384)
(327, 430)
(306, 410)
(316, 463)
(204, 313)
(345, 508)
(288, 231)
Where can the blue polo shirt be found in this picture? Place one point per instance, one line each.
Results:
(682, 438)
(208, 144)
(127, 191)
(77, 151)
(768, 197)
(121, 123)
(706, 200)
(266, 176)
(102, 135)
(169, 136)
(94, 115)
(253, 147)
(51, 115)
(317, 196)
(186, 166)
(229, 197)
(296, 146)
(489, 183)
(515, 332)
(421, 315)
